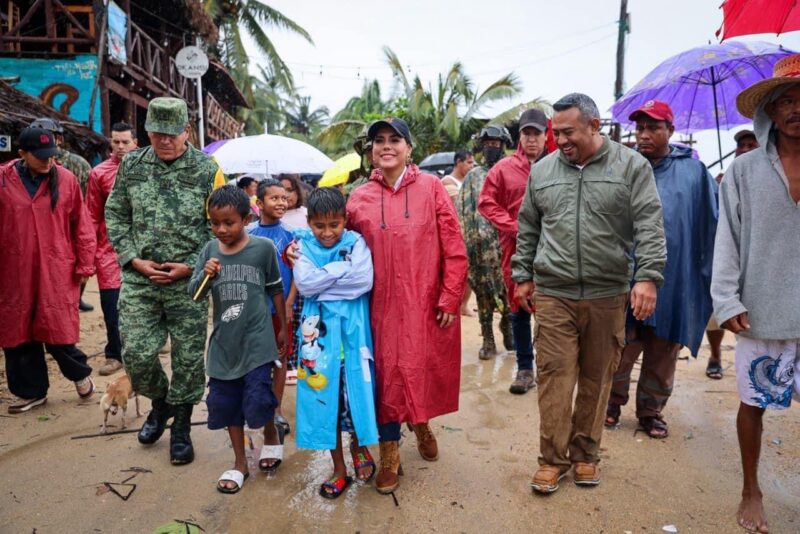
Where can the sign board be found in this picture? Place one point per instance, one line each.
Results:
(191, 62)
(5, 143)
(117, 29)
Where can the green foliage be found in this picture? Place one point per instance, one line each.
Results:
(233, 17)
(441, 117)
(274, 103)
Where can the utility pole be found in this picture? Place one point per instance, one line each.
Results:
(201, 130)
(624, 29)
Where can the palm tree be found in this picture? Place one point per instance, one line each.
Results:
(441, 118)
(513, 114)
(233, 17)
(268, 96)
(337, 138)
(302, 120)
(445, 117)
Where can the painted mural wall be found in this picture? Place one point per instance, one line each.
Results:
(64, 84)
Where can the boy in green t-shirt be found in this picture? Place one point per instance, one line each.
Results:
(238, 268)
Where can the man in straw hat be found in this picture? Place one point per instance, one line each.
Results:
(157, 222)
(757, 266)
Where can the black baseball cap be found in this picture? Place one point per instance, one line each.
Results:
(38, 142)
(534, 118)
(399, 126)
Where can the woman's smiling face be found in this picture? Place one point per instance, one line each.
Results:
(390, 151)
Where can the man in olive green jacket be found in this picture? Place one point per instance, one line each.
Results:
(585, 208)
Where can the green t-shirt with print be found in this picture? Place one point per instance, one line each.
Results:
(243, 338)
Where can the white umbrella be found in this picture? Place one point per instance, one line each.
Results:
(268, 154)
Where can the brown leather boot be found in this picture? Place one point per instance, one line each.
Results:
(426, 441)
(388, 475)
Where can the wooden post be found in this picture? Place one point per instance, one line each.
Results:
(50, 24)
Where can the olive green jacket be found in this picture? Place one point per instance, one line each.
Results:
(578, 227)
(157, 210)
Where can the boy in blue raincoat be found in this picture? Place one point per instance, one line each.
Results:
(335, 376)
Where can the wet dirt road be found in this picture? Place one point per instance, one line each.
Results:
(480, 484)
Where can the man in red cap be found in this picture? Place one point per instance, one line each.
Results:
(688, 199)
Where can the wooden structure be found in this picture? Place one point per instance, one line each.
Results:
(156, 30)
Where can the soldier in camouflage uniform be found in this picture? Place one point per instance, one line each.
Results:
(157, 222)
(363, 147)
(485, 275)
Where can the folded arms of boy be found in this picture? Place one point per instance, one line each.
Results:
(338, 280)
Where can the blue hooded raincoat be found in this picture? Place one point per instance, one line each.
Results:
(335, 283)
(689, 201)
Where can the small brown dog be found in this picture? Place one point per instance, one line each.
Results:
(116, 396)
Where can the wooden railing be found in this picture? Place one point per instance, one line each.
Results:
(152, 62)
(146, 56)
(219, 124)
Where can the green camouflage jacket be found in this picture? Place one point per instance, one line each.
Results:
(76, 165)
(483, 244)
(157, 211)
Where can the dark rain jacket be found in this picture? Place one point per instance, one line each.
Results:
(689, 202)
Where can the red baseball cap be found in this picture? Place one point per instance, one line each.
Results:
(655, 109)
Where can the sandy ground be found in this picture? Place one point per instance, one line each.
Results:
(691, 480)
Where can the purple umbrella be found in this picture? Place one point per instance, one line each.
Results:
(701, 84)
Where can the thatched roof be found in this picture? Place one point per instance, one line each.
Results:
(201, 21)
(18, 110)
(187, 15)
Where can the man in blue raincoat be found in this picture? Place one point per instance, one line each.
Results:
(688, 198)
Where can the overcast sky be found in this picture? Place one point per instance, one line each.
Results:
(554, 47)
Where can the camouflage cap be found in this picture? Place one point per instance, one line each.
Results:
(167, 115)
(362, 143)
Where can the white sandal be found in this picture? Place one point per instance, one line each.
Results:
(270, 452)
(235, 476)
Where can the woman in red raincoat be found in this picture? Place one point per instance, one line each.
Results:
(48, 245)
(420, 263)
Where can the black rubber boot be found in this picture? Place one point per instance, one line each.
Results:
(489, 349)
(156, 422)
(505, 329)
(180, 444)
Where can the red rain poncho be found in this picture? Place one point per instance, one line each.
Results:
(44, 252)
(101, 180)
(420, 264)
(499, 202)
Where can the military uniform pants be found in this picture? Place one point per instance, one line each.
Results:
(488, 301)
(577, 342)
(147, 314)
(656, 377)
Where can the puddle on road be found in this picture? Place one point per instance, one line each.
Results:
(295, 487)
(483, 374)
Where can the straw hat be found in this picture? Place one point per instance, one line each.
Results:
(785, 71)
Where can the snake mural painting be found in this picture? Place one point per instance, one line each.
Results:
(64, 84)
(49, 94)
